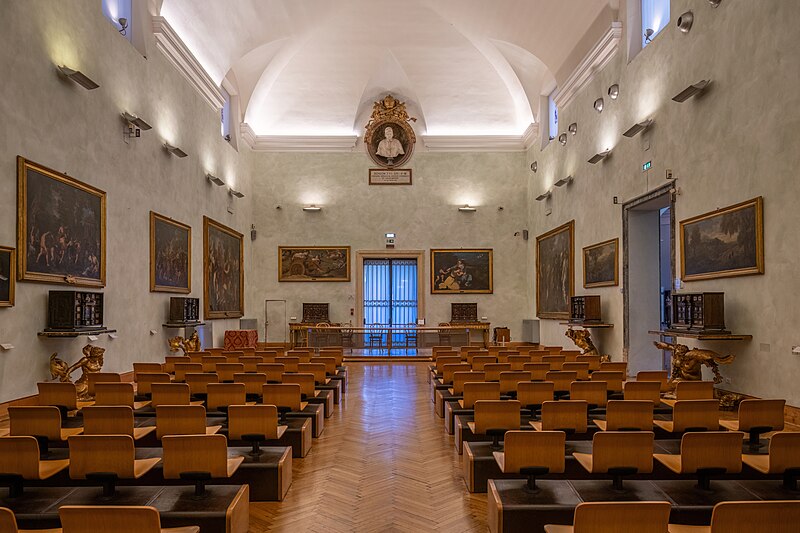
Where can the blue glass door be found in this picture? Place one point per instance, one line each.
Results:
(390, 299)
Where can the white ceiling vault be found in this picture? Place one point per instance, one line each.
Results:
(313, 68)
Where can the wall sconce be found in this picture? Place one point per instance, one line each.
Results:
(174, 150)
(312, 208)
(123, 23)
(78, 77)
(596, 158)
(563, 139)
(215, 180)
(564, 181)
(715, 3)
(544, 196)
(648, 35)
(613, 91)
(637, 128)
(467, 209)
(535, 166)
(573, 128)
(235, 193)
(598, 105)
(134, 125)
(691, 90)
(685, 22)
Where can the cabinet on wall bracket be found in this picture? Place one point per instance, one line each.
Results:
(700, 336)
(73, 334)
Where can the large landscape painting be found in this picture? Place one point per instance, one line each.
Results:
(223, 271)
(555, 271)
(61, 227)
(170, 255)
(6, 276)
(461, 271)
(726, 242)
(601, 264)
(314, 263)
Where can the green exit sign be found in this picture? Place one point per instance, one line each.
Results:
(646, 166)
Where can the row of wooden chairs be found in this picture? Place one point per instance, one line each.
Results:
(90, 519)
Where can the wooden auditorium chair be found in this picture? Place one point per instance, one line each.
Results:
(555, 361)
(170, 360)
(618, 454)
(532, 394)
(532, 454)
(594, 393)
(627, 415)
(593, 360)
(101, 377)
(145, 380)
(692, 390)
(332, 371)
(198, 458)
(321, 380)
(538, 370)
(253, 381)
(757, 416)
(614, 380)
(112, 420)
(480, 361)
(182, 420)
(20, 461)
(776, 516)
(692, 415)
(287, 397)
(662, 376)
(509, 382)
(562, 380)
(222, 395)
(119, 519)
(250, 362)
(105, 459)
(569, 416)
(117, 394)
(614, 366)
(139, 368)
(273, 371)
(518, 361)
(198, 383)
(309, 391)
(494, 417)
(456, 392)
(493, 370)
(171, 394)
(705, 454)
(478, 390)
(181, 369)
(8, 524)
(617, 517)
(210, 362)
(643, 390)
(289, 363)
(63, 395)
(225, 371)
(255, 424)
(582, 369)
(783, 458)
(42, 422)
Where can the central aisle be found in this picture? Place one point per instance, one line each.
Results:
(383, 464)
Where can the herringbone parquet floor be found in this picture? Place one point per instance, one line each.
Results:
(383, 464)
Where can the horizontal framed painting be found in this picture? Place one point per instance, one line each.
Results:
(223, 271)
(462, 271)
(601, 264)
(722, 243)
(555, 271)
(314, 263)
(170, 255)
(7, 276)
(61, 228)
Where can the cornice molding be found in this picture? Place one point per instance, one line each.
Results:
(297, 143)
(481, 143)
(176, 51)
(594, 61)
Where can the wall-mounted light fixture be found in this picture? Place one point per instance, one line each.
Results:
(573, 128)
(639, 127)
(78, 77)
(715, 3)
(598, 105)
(563, 139)
(691, 90)
(535, 166)
(685, 22)
(648, 35)
(123, 24)
(134, 125)
(613, 91)
(564, 181)
(235, 193)
(174, 150)
(467, 209)
(215, 180)
(312, 208)
(596, 158)
(544, 196)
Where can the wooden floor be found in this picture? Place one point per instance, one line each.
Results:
(383, 464)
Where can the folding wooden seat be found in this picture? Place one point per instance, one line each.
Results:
(555, 361)
(757, 417)
(317, 369)
(561, 380)
(182, 420)
(251, 362)
(465, 351)
(662, 376)
(42, 422)
(619, 453)
(117, 394)
(480, 390)
(198, 458)
(255, 424)
(171, 394)
(777, 516)
(197, 357)
(145, 380)
(627, 415)
(106, 458)
(594, 393)
(692, 390)
(289, 363)
(8, 524)
(493, 370)
(112, 420)
(225, 371)
(479, 362)
(532, 394)
(198, 383)
(615, 517)
(20, 461)
(269, 355)
(503, 355)
(448, 371)
(552, 350)
(273, 371)
(210, 362)
(571, 356)
(63, 395)
(309, 391)
(517, 362)
(538, 370)
(643, 390)
(582, 369)
(532, 454)
(139, 368)
(461, 378)
(510, 379)
(614, 366)
(783, 458)
(304, 356)
(436, 350)
(438, 367)
(181, 369)
(692, 415)
(332, 370)
(593, 360)
(170, 360)
(133, 519)
(613, 378)
(233, 356)
(252, 384)
(705, 454)
(569, 416)
(494, 417)
(221, 395)
(248, 350)
(285, 396)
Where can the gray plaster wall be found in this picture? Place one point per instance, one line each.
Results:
(79, 132)
(737, 142)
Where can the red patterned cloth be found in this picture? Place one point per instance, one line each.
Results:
(240, 338)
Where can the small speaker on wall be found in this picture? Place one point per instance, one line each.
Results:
(525, 234)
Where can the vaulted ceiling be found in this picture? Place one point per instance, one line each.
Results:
(314, 67)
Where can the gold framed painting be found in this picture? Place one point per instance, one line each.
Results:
(555, 271)
(170, 255)
(462, 271)
(601, 264)
(7, 276)
(723, 243)
(61, 228)
(223, 271)
(313, 263)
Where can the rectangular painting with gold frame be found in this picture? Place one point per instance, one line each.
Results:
(170, 255)
(61, 228)
(722, 243)
(223, 271)
(462, 271)
(7, 276)
(313, 263)
(601, 264)
(555, 271)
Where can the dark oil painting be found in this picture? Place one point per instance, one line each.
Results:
(555, 271)
(314, 263)
(223, 271)
(6, 276)
(601, 264)
(461, 271)
(170, 255)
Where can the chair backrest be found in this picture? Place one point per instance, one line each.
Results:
(303, 356)
(19, 455)
(211, 351)
(571, 355)
(58, 393)
(170, 394)
(198, 383)
(622, 449)
(493, 370)
(694, 390)
(460, 378)
(614, 366)
(553, 350)
(695, 414)
(582, 369)
(253, 381)
(776, 516)
(486, 390)
(593, 360)
(436, 350)
(107, 420)
(336, 355)
(503, 355)
(561, 379)
(564, 415)
(195, 453)
(756, 413)
(273, 371)
(472, 354)
(629, 415)
(593, 392)
(555, 361)
(535, 392)
(613, 378)
(145, 380)
(114, 394)
(518, 361)
(252, 420)
(101, 377)
(317, 369)
(306, 382)
(784, 451)
(613, 517)
(170, 360)
(210, 362)
(282, 395)
(101, 453)
(538, 370)
(250, 362)
(8, 522)
(510, 379)
(234, 355)
(479, 362)
(496, 414)
(180, 420)
(643, 390)
(533, 449)
(138, 368)
(89, 519)
(181, 369)
(44, 420)
(446, 360)
(448, 371)
(662, 376)
(225, 371)
(268, 356)
(711, 449)
(329, 362)
(225, 394)
(289, 363)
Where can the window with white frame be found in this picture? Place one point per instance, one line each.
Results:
(225, 115)
(655, 17)
(552, 115)
(119, 13)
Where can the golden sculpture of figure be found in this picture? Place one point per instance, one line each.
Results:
(91, 362)
(687, 364)
(583, 340)
(192, 344)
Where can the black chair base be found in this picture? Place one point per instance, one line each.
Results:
(255, 440)
(199, 479)
(618, 473)
(532, 472)
(15, 484)
(108, 480)
(704, 476)
(496, 435)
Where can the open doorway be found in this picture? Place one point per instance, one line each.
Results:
(649, 268)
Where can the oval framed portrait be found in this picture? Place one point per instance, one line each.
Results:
(389, 142)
